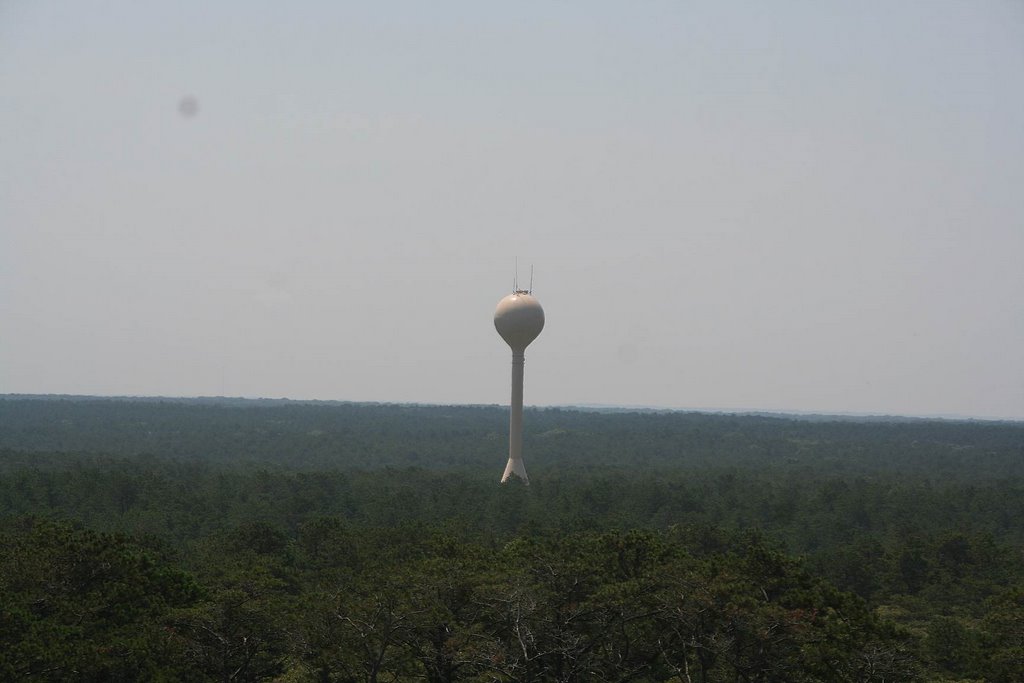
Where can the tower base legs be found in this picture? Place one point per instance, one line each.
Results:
(515, 466)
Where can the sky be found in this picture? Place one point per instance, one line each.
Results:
(787, 206)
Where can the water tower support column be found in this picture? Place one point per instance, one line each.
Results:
(515, 421)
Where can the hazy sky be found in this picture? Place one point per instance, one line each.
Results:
(812, 206)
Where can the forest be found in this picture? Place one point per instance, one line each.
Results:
(258, 540)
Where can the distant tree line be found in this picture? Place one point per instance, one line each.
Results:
(371, 436)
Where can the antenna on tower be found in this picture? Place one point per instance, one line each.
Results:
(515, 279)
(531, 279)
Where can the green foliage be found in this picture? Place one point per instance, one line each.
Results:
(261, 541)
(78, 605)
(316, 435)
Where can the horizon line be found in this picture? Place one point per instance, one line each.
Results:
(847, 414)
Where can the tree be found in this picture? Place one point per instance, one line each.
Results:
(85, 606)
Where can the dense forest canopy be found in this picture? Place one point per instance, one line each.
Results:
(252, 540)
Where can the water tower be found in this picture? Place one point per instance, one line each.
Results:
(519, 318)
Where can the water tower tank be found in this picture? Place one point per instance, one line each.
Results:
(519, 318)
